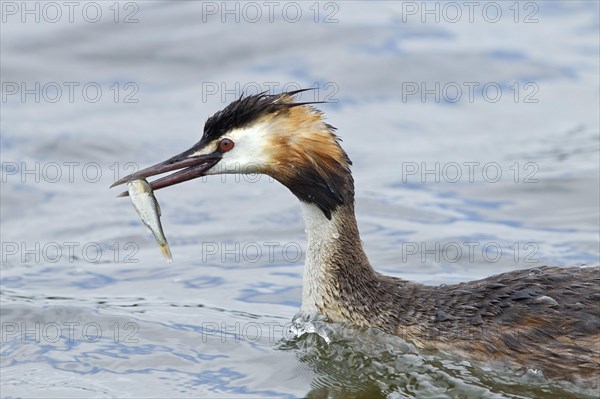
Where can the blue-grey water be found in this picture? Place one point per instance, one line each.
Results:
(474, 133)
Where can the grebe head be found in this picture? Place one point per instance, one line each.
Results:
(268, 134)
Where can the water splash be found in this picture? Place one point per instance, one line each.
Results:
(312, 323)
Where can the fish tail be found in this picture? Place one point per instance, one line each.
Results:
(166, 251)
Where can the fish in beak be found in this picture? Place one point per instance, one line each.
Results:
(187, 165)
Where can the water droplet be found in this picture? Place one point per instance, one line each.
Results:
(535, 272)
(546, 300)
(534, 375)
(336, 235)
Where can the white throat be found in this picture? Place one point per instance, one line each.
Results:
(322, 241)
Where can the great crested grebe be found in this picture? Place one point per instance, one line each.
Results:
(546, 318)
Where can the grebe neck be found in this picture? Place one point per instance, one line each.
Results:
(336, 267)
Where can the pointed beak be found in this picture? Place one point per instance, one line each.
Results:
(188, 167)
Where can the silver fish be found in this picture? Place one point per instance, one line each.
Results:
(147, 207)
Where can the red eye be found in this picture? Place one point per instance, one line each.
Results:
(226, 145)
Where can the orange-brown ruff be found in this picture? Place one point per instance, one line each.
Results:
(545, 318)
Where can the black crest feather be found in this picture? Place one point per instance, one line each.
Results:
(246, 110)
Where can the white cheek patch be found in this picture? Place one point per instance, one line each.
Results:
(250, 152)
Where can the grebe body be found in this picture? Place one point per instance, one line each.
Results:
(545, 318)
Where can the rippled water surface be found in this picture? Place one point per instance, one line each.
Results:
(450, 187)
